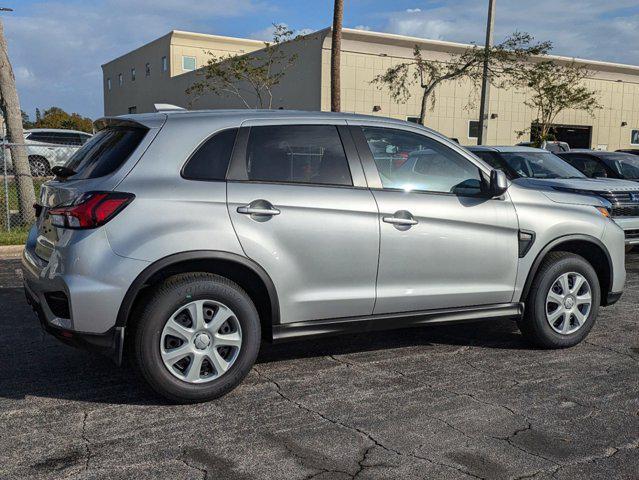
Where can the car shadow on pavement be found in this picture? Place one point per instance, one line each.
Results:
(500, 334)
(36, 365)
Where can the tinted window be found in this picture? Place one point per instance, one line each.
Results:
(533, 164)
(211, 160)
(589, 166)
(297, 154)
(625, 164)
(409, 161)
(105, 151)
(57, 138)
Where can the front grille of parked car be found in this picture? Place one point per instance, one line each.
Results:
(624, 204)
(632, 234)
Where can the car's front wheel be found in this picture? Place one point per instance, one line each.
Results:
(563, 302)
(197, 337)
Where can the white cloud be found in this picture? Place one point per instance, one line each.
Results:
(57, 47)
(266, 34)
(362, 27)
(592, 29)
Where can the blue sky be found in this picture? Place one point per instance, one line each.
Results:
(57, 46)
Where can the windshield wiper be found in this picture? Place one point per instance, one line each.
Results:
(63, 172)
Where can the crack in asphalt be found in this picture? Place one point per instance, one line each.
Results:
(610, 349)
(360, 431)
(203, 471)
(87, 442)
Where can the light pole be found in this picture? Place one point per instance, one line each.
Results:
(485, 81)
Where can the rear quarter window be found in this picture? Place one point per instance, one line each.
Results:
(211, 160)
(106, 151)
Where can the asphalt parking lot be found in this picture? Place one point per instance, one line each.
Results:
(466, 401)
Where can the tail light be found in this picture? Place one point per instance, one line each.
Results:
(90, 210)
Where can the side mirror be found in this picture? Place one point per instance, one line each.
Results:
(498, 183)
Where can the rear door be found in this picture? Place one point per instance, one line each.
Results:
(298, 201)
(443, 244)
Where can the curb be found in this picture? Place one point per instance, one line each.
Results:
(10, 251)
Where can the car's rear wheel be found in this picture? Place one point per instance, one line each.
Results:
(39, 166)
(563, 302)
(197, 338)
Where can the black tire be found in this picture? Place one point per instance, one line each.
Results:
(168, 297)
(534, 325)
(39, 166)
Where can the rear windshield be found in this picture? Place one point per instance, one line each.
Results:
(105, 152)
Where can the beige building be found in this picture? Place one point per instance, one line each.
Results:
(162, 70)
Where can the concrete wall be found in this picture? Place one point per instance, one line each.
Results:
(306, 86)
(159, 87)
(368, 54)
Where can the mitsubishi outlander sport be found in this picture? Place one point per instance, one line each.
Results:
(184, 239)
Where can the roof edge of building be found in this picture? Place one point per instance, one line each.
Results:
(405, 40)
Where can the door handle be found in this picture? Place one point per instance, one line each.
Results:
(400, 221)
(248, 210)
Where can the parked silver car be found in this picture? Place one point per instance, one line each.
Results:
(47, 148)
(183, 239)
(546, 171)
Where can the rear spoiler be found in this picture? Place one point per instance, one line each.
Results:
(142, 121)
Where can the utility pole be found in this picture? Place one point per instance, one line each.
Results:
(336, 47)
(10, 105)
(485, 81)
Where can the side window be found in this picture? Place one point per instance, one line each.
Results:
(587, 165)
(297, 154)
(413, 162)
(211, 160)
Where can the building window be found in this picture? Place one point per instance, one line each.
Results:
(473, 128)
(188, 63)
(133, 74)
(165, 64)
(120, 79)
(634, 137)
(109, 84)
(133, 109)
(147, 70)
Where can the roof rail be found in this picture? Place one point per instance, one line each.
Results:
(166, 107)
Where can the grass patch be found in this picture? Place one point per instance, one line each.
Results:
(17, 236)
(19, 231)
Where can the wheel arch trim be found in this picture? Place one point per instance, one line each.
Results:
(557, 242)
(159, 265)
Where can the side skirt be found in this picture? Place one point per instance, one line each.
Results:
(337, 326)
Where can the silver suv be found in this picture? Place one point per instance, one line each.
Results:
(184, 239)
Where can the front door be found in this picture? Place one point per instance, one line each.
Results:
(302, 212)
(443, 243)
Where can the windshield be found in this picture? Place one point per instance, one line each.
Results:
(537, 165)
(625, 164)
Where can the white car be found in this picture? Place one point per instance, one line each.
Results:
(49, 147)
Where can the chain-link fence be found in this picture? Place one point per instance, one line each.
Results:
(14, 220)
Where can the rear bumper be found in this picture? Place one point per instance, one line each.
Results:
(110, 343)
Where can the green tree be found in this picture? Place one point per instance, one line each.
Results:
(504, 60)
(250, 77)
(55, 117)
(26, 121)
(553, 88)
